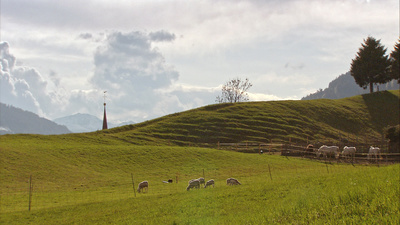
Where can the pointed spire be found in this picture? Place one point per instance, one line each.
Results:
(105, 127)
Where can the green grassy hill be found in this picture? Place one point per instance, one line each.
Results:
(313, 120)
(87, 178)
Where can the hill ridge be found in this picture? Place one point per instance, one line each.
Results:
(299, 120)
(16, 120)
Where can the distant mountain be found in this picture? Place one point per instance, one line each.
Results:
(80, 123)
(17, 121)
(345, 86)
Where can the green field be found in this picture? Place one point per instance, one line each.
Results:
(87, 178)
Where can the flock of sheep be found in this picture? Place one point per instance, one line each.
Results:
(195, 183)
(323, 150)
(347, 151)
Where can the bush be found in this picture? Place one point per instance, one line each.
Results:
(392, 133)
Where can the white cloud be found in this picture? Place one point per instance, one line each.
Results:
(267, 97)
(130, 69)
(20, 86)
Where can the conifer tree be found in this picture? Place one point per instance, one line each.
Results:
(395, 62)
(371, 64)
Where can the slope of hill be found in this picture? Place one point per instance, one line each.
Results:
(14, 120)
(314, 120)
(345, 86)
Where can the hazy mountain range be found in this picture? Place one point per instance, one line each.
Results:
(79, 123)
(345, 86)
(16, 121)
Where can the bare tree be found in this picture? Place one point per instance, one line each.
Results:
(235, 90)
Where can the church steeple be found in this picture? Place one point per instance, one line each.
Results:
(105, 127)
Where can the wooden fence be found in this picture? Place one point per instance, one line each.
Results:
(251, 147)
(301, 150)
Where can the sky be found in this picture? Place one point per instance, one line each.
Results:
(157, 57)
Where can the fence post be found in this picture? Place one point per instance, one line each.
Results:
(30, 192)
(270, 146)
(133, 185)
(269, 169)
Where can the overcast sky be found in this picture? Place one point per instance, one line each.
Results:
(156, 57)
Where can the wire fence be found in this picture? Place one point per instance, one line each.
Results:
(35, 193)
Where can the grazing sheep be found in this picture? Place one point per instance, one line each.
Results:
(143, 185)
(209, 183)
(374, 152)
(202, 180)
(193, 184)
(349, 151)
(328, 150)
(232, 181)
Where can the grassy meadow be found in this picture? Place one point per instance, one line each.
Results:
(87, 178)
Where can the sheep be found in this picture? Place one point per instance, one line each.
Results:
(349, 151)
(143, 185)
(193, 184)
(328, 150)
(374, 152)
(209, 183)
(202, 180)
(232, 181)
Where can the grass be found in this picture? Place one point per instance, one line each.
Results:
(87, 178)
(96, 188)
(321, 120)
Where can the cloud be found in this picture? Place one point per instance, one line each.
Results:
(268, 97)
(161, 36)
(25, 87)
(86, 36)
(18, 84)
(131, 70)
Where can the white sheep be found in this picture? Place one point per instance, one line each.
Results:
(209, 183)
(232, 181)
(349, 151)
(193, 184)
(374, 152)
(143, 185)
